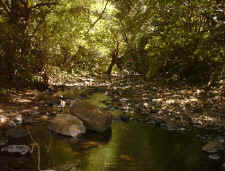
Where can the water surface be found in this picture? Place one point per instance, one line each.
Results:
(127, 147)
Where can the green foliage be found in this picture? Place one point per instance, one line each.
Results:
(185, 38)
(153, 37)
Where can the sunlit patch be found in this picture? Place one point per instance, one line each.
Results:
(20, 100)
(188, 100)
(193, 99)
(208, 118)
(157, 100)
(170, 101)
(3, 119)
(204, 119)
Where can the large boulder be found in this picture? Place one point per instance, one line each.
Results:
(94, 118)
(68, 125)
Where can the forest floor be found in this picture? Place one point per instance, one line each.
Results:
(170, 105)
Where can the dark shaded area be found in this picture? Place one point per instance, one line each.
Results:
(131, 146)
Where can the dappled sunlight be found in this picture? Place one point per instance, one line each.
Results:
(3, 119)
(21, 100)
(107, 62)
(210, 120)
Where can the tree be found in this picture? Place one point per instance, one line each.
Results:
(19, 23)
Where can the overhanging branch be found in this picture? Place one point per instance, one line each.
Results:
(4, 7)
(99, 18)
(48, 4)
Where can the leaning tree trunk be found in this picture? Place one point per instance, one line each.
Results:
(114, 57)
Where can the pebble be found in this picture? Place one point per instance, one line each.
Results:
(156, 100)
(12, 123)
(35, 113)
(18, 119)
(214, 156)
(223, 165)
(182, 129)
(62, 103)
(36, 107)
(146, 105)
(21, 149)
(44, 117)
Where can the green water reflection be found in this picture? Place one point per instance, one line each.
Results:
(130, 146)
(97, 99)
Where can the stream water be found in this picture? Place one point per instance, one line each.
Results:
(128, 146)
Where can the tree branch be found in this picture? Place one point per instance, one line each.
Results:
(44, 4)
(5, 7)
(99, 18)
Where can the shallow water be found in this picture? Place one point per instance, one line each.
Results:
(127, 147)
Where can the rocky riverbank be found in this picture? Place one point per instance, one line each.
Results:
(177, 108)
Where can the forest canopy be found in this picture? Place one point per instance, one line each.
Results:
(183, 40)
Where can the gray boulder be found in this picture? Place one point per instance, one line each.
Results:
(68, 125)
(21, 149)
(94, 118)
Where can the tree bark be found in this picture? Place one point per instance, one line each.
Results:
(114, 60)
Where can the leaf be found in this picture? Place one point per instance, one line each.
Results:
(206, 35)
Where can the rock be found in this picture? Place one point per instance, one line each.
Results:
(146, 105)
(16, 132)
(69, 166)
(35, 113)
(11, 123)
(223, 165)
(18, 119)
(68, 125)
(44, 118)
(36, 107)
(182, 129)
(214, 156)
(93, 117)
(157, 100)
(3, 141)
(213, 147)
(21, 149)
(62, 103)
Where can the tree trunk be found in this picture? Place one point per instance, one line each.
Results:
(114, 57)
(113, 62)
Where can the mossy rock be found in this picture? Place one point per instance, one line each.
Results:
(68, 125)
(93, 117)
